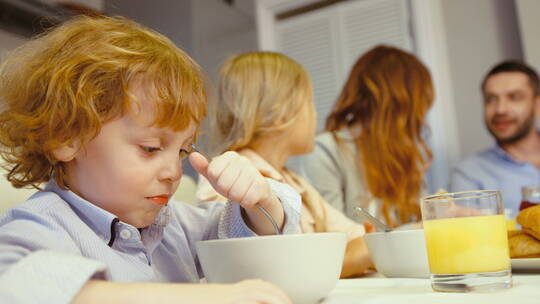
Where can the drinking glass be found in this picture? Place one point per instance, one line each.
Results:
(530, 196)
(466, 241)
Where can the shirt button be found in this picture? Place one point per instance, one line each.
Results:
(125, 234)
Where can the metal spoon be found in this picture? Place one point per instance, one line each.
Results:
(380, 225)
(268, 216)
(271, 219)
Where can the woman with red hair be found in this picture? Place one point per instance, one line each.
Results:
(372, 153)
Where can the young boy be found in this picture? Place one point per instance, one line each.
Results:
(103, 111)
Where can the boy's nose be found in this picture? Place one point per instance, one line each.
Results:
(171, 170)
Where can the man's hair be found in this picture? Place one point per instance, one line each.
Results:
(64, 85)
(515, 66)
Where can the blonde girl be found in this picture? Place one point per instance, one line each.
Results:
(265, 112)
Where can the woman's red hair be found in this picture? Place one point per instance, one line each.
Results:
(388, 94)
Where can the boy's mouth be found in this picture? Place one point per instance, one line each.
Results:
(160, 200)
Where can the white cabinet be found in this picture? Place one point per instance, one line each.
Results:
(328, 41)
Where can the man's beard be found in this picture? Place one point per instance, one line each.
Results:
(523, 130)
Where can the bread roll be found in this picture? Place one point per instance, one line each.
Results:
(512, 233)
(523, 245)
(530, 218)
(532, 233)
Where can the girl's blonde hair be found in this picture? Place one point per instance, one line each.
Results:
(258, 92)
(65, 84)
(388, 93)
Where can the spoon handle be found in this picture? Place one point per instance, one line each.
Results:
(380, 225)
(271, 219)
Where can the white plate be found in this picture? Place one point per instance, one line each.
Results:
(526, 264)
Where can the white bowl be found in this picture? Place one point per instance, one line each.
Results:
(305, 266)
(399, 253)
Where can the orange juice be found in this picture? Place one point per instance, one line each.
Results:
(511, 224)
(467, 244)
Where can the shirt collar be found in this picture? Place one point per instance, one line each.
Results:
(504, 155)
(99, 220)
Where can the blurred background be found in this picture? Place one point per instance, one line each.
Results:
(459, 40)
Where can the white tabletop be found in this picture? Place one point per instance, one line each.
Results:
(526, 289)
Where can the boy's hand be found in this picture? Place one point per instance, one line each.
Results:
(252, 291)
(234, 177)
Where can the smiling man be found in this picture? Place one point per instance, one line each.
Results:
(511, 93)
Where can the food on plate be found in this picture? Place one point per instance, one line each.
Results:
(530, 218)
(525, 243)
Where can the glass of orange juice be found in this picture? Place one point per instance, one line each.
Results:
(466, 241)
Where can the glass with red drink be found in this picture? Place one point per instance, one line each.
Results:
(530, 196)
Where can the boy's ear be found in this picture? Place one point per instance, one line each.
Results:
(67, 152)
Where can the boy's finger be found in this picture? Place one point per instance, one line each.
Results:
(280, 295)
(199, 163)
(226, 180)
(251, 196)
(219, 164)
(240, 191)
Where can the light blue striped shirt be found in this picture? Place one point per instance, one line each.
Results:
(494, 169)
(54, 242)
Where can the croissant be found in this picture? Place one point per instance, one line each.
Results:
(512, 233)
(529, 219)
(532, 234)
(523, 245)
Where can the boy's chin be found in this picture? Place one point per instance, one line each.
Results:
(142, 222)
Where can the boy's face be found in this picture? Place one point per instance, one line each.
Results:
(131, 168)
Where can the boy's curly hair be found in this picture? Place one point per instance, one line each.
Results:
(63, 85)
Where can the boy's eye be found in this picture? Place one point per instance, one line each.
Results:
(150, 149)
(184, 153)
